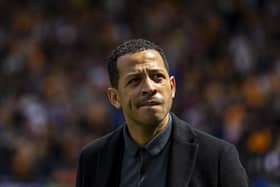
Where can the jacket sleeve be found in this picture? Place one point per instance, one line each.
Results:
(231, 171)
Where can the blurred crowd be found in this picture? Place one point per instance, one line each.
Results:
(225, 56)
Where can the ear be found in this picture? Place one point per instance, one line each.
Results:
(173, 86)
(113, 97)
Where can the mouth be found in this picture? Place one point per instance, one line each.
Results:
(149, 103)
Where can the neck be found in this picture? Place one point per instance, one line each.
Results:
(142, 134)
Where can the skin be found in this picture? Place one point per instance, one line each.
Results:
(145, 93)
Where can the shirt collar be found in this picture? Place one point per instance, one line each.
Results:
(154, 146)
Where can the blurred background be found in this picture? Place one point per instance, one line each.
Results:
(225, 56)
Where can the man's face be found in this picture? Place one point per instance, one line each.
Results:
(145, 90)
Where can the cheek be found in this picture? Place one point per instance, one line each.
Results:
(129, 104)
(168, 96)
(167, 92)
(127, 101)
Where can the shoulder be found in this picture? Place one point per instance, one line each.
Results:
(100, 144)
(96, 156)
(206, 142)
(206, 139)
(212, 155)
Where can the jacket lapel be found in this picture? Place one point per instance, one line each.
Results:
(183, 154)
(110, 162)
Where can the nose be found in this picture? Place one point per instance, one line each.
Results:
(148, 87)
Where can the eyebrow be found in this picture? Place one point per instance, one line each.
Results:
(137, 73)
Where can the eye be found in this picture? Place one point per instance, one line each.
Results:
(158, 77)
(133, 81)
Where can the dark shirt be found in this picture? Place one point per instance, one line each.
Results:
(146, 165)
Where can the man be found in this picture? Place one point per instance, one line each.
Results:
(154, 147)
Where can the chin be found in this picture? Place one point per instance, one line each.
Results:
(152, 118)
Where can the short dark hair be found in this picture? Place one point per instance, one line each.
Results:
(130, 46)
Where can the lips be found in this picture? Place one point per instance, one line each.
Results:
(147, 103)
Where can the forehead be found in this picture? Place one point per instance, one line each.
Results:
(147, 59)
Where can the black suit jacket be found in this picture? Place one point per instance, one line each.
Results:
(196, 160)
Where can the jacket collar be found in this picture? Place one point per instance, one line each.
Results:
(184, 148)
(154, 146)
(182, 158)
(110, 159)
